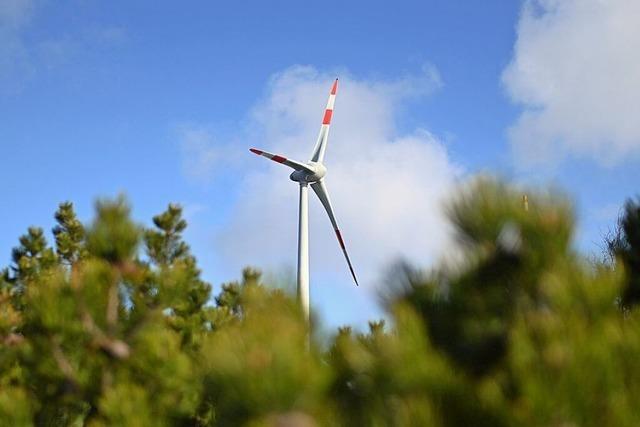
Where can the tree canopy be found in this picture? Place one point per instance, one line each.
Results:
(113, 325)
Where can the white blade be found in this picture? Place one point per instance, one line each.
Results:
(321, 144)
(276, 158)
(321, 191)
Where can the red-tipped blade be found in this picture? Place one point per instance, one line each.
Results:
(334, 88)
(321, 144)
(280, 159)
(323, 195)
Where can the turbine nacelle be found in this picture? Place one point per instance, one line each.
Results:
(314, 173)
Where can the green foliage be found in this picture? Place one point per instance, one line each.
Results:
(115, 326)
(165, 245)
(259, 367)
(505, 251)
(69, 234)
(625, 247)
(113, 236)
(32, 257)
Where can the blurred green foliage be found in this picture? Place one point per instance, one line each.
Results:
(113, 325)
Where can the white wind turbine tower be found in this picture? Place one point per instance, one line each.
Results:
(311, 172)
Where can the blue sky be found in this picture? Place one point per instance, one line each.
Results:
(161, 102)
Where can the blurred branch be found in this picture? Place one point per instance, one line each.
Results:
(63, 363)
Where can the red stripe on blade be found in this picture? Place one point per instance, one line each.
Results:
(340, 239)
(334, 88)
(253, 150)
(279, 159)
(327, 117)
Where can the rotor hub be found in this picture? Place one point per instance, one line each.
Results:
(319, 171)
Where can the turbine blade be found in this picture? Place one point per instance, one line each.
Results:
(323, 136)
(276, 158)
(321, 191)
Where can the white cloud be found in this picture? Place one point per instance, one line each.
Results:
(575, 71)
(387, 189)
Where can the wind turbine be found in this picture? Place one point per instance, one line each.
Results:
(311, 173)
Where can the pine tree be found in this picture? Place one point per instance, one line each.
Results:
(115, 326)
(69, 234)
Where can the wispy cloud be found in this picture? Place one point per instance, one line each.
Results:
(15, 15)
(387, 188)
(207, 155)
(200, 154)
(110, 36)
(23, 57)
(575, 72)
